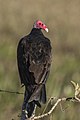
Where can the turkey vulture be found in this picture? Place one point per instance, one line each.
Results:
(34, 60)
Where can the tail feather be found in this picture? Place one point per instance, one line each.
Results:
(43, 94)
(29, 105)
(30, 108)
(27, 113)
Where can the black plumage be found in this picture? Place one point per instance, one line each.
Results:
(34, 60)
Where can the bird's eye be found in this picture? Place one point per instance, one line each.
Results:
(39, 23)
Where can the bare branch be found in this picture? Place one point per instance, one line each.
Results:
(73, 99)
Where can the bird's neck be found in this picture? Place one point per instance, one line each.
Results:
(36, 31)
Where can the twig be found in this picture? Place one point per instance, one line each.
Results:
(6, 91)
(48, 113)
(47, 105)
(72, 99)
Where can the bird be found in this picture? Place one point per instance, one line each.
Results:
(34, 62)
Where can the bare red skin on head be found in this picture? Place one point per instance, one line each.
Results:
(39, 24)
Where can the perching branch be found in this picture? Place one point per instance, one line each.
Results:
(72, 99)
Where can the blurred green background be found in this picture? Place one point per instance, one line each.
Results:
(63, 20)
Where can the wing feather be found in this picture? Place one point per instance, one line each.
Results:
(26, 76)
(34, 60)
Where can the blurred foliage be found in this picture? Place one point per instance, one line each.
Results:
(63, 20)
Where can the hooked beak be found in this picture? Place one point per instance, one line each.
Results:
(46, 29)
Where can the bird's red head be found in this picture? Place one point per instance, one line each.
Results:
(40, 25)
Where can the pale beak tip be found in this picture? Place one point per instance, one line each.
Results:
(46, 30)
